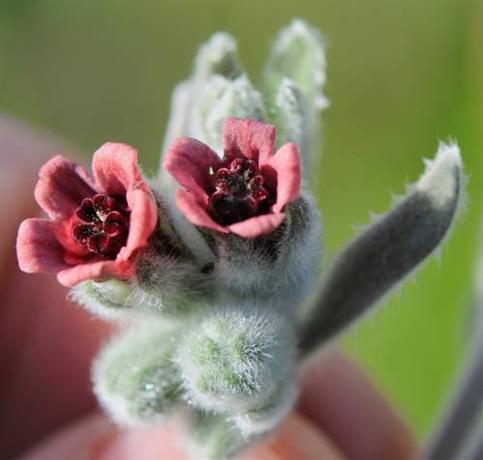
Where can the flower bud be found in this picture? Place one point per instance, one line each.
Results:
(235, 358)
(134, 377)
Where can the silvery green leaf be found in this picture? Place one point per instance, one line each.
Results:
(219, 99)
(291, 115)
(178, 119)
(217, 57)
(134, 377)
(378, 259)
(294, 77)
(298, 53)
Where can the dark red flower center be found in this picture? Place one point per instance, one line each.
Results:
(102, 225)
(240, 192)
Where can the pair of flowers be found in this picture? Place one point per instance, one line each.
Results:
(99, 225)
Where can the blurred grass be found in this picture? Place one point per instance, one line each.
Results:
(402, 75)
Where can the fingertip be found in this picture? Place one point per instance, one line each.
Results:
(159, 442)
(95, 438)
(297, 438)
(342, 402)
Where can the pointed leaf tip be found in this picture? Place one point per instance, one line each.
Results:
(219, 55)
(443, 176)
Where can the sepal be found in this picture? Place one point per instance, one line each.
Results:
(280, 268)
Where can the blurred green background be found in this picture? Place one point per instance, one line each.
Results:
(402, 75)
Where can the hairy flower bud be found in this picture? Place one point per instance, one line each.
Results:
(134, 377)
(235, 358)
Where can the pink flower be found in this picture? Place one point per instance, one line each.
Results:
(244, 192)
(97, 224)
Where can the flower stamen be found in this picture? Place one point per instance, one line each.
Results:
(102, 225)
(239, 192)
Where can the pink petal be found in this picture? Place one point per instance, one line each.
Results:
(257, 226)
(252, 138)
(189, 161)
(37, 247)
(195, 213)
(144, 217)
(96, 271)
(61, 187)
(115, 168)
(286, 162)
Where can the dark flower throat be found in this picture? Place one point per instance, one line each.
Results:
(102, 225)
(240, 192)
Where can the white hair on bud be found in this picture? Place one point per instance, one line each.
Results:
(134, 378)
(235, 358)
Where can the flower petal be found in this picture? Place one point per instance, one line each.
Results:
(115, 168)
(38, 249)
(251, 138)
(257, 226)
(286, 162)
(195, 212)
(143, 220)
(61, 187)
(95, 271)
(189, 161)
